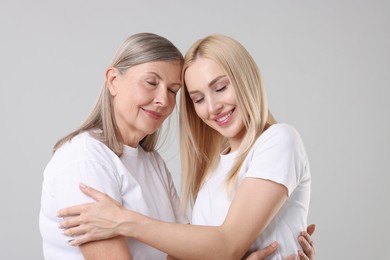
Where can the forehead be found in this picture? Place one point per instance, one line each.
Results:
(166, 69)
(203, 71)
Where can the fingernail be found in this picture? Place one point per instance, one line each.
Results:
(82, 185)
(71, 242)
(274, 244)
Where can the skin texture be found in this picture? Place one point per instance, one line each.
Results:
(137, 115)
(114, 248)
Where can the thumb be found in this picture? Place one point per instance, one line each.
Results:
(91, 192)
(310, 229)
(263, 253)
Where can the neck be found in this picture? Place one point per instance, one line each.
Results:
(131, 139)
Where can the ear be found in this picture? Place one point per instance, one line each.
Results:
(112, 80)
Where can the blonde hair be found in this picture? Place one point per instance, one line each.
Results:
(136, 49)
(200, 144)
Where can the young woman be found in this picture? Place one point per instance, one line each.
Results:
(247, 175)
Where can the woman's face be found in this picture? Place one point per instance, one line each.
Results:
(214, 99)
(144, 96)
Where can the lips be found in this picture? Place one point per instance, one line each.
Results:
(152, 114)
(224, 118)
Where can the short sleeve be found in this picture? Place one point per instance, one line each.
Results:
(277, 156)
(65, 184)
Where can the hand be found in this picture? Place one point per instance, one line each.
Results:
(307, 244)
(92, 221)
(304, 240)
(263, 253)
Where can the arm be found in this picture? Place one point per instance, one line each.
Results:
(64, 193)
(95, 221)
(305, 240)
(114, 248)
(230, 240)
(278, 154)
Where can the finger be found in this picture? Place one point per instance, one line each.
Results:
(71, 222)
(75, 231)
(81, 240)
(307, 245)
(310, 229)
(91, 192)
(263, 253)
(302, 256)
(72, 211)
(291, 257)
(307, 238)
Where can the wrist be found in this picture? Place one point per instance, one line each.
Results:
(129, 222)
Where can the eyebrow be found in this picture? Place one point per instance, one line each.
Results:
(155, 74)
(211, 83)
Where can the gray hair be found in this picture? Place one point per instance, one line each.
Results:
(136, 49)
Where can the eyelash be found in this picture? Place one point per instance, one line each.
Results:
(198, 100)
(217, 90)
(221, 89)
(152, 83)
(173, 91)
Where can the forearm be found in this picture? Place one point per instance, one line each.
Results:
(181, 240)
(105, 249)
(244, 222)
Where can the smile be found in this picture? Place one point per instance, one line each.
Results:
(223, 120)
(152, 114)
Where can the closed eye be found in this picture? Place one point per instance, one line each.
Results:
(221, 89)
(152, 83)
(174, 91)
(198, 100)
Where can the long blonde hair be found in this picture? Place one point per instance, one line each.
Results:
(136, 49)
(201, 145)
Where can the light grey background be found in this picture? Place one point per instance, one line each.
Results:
(325, 64)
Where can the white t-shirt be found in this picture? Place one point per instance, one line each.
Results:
(139, 180)
(278, 155)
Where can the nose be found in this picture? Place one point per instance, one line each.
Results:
(214, 106)
(162, 97)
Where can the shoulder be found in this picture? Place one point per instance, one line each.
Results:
(83, 148)
(84, 145)
(279, 134)
(280, 140)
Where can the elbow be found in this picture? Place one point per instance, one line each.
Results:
(233, 252)
(231, 256)
(227, 252)
(237, 254)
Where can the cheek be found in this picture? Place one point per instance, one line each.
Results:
(201, 112)
(172, 104)
(172, 100)
(124, 105)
